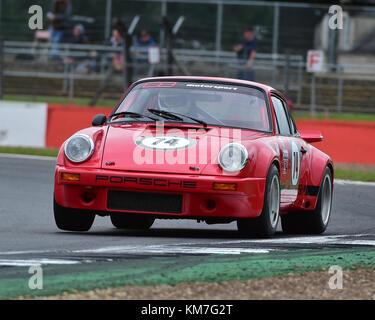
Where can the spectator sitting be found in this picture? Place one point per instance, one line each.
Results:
(246, 51)
(78, 35)
(82, 64)
(145, 40)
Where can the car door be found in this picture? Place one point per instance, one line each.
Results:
(301, 167)
(290, 151)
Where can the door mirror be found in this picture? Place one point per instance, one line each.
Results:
(99, 120)
(311, 136)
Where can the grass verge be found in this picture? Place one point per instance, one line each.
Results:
(337, 116)
(30, 151)
(355, 175)
(357, 284)
(62, 100)
(153, 271)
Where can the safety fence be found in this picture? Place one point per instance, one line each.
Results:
(96, 71)
(81, 70)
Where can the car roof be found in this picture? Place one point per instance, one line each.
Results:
(208, 79)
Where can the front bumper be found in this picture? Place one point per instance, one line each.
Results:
(199, 197)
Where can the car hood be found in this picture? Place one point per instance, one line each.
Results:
(171, 149)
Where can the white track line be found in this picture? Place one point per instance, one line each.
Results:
(351, 182)
(163, 249)
(34, 262)
(238, 247)
(189, 248)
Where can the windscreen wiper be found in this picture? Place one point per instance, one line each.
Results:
(165, 114)
(175, 116)
(131, 115)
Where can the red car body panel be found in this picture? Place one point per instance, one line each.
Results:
(112, 167)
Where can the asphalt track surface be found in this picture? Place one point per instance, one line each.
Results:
(28, 231)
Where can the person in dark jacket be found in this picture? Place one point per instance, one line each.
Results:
(59, 17)
(246, 51)
(78, 35)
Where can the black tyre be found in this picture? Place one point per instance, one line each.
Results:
(265, 225)
(72, 219)
(314, 221)
(131, 221)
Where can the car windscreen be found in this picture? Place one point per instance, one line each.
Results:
(215, 104)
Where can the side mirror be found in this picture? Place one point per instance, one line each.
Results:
(311, 136)
(99, 120)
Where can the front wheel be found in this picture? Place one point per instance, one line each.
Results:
(72, 219)
(265, 225)
(315, 221)
(129, 221)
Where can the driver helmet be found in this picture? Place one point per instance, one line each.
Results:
(173, 101)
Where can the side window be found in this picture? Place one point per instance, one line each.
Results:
(291, 121)
(281, 116)
(293, 125)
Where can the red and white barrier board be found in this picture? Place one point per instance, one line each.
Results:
(23, 124)
(38, 125)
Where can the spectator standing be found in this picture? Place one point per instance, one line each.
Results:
(118, 61)
(59, 17)
(116, 39)
(246, 51)
(144, 42)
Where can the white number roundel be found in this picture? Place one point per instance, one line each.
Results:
(165, 142)
(296, 164)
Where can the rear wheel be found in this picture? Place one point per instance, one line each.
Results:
(265, 225)
(129, 221)
(72, 219)
(315, 221)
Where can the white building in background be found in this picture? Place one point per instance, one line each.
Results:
(355, 43)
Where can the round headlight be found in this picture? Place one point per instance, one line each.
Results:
(233, 157)
(79, 148)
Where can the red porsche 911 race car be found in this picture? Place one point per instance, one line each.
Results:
(211, 149)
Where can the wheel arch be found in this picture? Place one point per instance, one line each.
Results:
(318, 163)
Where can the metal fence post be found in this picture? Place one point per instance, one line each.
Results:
(299, 80)
(313, 96)
(219, 26)
(275, 40)
(1, 27)
(339, 88)
(286, 74)
(162, 31)
(276, 18)
(1, 68)
(71, 84)
(108, 11)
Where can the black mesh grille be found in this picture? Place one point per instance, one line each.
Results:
(144, 201)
